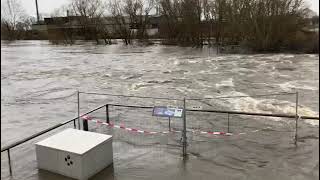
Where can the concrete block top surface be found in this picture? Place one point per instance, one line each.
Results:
(74, 141)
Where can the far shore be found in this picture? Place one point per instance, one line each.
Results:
(222, 49)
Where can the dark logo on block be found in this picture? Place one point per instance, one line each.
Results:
(68, 160)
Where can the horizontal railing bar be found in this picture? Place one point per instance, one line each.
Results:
(36, 135)
(132, 106)
(257, 95)
(228, 112)
(131, 96)
(46, 130)
(149, 107)
(95, 109)
(256, 114)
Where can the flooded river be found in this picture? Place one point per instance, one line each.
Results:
(38, 89)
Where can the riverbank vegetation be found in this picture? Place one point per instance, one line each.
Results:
(259, 25)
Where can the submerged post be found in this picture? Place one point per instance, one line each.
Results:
(85, 125)
(297, 118)
(107, 113)
(74, 124)
(169, 124)
(78, 96)
(228, 124)
(9, 160)
(184, 134)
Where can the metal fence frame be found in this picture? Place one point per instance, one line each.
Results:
(184, 137)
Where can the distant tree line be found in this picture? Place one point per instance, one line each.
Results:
(15, 23)
(93, 14)
(262, 25)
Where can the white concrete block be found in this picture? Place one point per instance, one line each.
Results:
(75, 153)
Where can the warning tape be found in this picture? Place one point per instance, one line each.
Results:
(226, 134)
(126, 128)
(88, 118)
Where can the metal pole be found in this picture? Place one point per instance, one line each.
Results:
(228, 124)
(78, 95)
(9, 159)
(74, 124)
(38, 18)
(169, 124)
(84, 122)
(296, 134)
(184, 150)
(107, 113)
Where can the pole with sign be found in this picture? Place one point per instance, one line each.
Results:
(176, 112)
(184, 134)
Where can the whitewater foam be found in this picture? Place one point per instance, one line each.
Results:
(272, 106)
(290, 85)
(225, 83)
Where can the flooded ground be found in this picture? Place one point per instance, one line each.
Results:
(38, 89)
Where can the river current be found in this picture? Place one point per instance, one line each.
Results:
(39, 81)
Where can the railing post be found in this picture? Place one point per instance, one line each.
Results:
(169, 124)
(184, 134)
(296, 132)
(107, 113)
(78, 96)
(9, 160)
(85, 125)
(228, 124)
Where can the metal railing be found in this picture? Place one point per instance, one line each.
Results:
(8, 147)
(293, 116)
(108, 105)
(17, 143)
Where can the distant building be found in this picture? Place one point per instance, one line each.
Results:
(56, 26)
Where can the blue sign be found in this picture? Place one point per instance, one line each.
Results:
(165, 111)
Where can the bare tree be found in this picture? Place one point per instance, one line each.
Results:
(90, 13)
(171, 11)
(120, 21)
(138, 12)
(12, 14)
(183, 19)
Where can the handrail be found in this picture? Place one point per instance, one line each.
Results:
(46, 130)
(8, 147)
(149, 107)
(227, 112)
(35, 135)
(257, 114)
(256, 95)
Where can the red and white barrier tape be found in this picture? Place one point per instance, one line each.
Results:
(126, 128)
(150, 132)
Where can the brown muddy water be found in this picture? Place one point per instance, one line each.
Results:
(39, 81)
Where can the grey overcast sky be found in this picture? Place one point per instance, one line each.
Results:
(47, 6)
